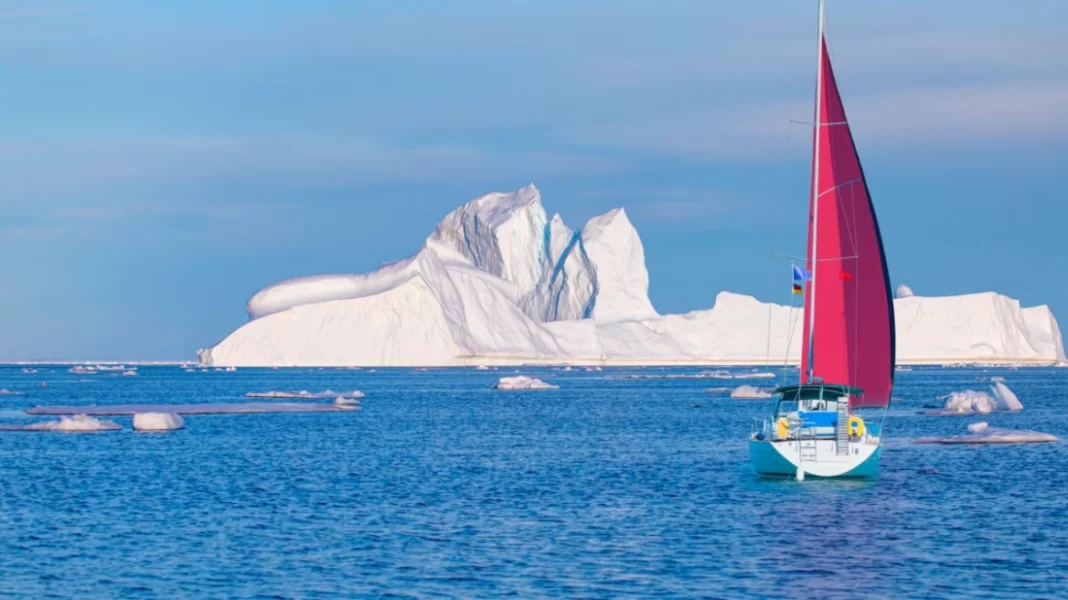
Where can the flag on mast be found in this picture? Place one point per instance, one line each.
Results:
(801, 274)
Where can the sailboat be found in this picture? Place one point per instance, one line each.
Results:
(848, 354)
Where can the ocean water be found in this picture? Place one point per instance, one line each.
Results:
(444, 487)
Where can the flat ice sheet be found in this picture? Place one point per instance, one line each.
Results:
(234, 408)
(993, 435)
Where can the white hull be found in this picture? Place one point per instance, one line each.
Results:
(814, 457)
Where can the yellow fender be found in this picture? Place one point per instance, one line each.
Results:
(782, 428)
(856, 426)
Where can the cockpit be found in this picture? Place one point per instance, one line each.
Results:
(813, 408)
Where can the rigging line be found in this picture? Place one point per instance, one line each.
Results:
(852, 231)
(792, 322)
(771, 280)
(856, 288)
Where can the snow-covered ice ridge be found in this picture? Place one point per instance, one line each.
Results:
(499, 282)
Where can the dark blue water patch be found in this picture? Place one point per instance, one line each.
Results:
(445, 487)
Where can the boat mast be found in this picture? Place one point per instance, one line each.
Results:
(815, 193)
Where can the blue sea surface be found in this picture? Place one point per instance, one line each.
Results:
(445, 487)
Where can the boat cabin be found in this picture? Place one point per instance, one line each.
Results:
(816, 405)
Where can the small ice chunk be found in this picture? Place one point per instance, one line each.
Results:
(1006, 397)
(75, 424)
(522, 382)
(482, 368)
(977, 427)
(157, 421)
(129, 373)
(347, 403)
(755, 375)
(749, 392)
(7, 392)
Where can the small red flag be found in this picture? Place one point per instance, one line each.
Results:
(845, 276)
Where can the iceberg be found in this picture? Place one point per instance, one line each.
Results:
(970, 402)
(79, 423)
(748, 392)
(157, 421)
(1006, 398)
(500, 282)
(348, 403)
(522, 382)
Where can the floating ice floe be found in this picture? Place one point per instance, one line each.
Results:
(522, 382)
(700, 375)
(157, 421)
(749, 392)
(29, 371)
(129, 373)
(970, 402)
(754, 375)
(222, 408)
(304, 394)
(82, 370)
(79, 423)
(482, 368)
(7, 392)
(983, 433)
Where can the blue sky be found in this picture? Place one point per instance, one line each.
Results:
(162, 161)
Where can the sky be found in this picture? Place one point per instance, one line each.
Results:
(160, 162)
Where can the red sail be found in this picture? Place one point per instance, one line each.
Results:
(853, 337)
